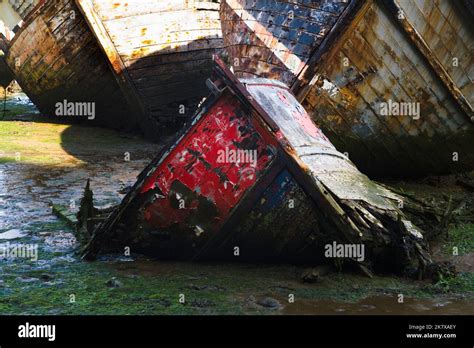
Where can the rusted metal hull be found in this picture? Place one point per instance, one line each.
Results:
(56, 59)
(161, 53)
(385, 55)
(199, 200)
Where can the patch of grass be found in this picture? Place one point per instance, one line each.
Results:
(5, 159)
(461, 237)
(37, 143)
(60, 144)
(463, 282)
(347, 287)
(208, 289)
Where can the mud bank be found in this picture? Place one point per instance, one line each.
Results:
(54, 163)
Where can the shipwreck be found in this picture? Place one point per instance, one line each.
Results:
(252, 176)
(55, 59)
(143, 64)
(346, 61)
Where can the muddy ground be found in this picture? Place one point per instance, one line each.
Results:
(44, 164)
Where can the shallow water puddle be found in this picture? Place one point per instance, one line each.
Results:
(17, 104)
(389, 305)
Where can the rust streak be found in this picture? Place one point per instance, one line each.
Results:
(415, 37)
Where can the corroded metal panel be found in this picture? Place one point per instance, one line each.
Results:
(55, 58)
(378, 98)
(275, 39)
(163, 52)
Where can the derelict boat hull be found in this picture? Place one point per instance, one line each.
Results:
(56, 61)
(252, 178)
(6, 76)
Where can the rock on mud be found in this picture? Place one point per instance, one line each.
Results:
(46, 277)
(269, 302)
(114, 283)
(314, 275)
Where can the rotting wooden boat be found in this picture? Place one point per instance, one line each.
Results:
(161, 53)
(143, 63)
(390, 84)
(57, 61)
(289, 196)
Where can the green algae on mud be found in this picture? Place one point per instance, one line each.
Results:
(460, 239)
(208, 289)
(151, 287)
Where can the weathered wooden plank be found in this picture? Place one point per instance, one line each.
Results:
(437, 24)
(151, 76)
(130, 45)
(433, 60)
(118, 10)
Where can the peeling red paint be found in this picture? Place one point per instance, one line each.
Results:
(196, 163)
